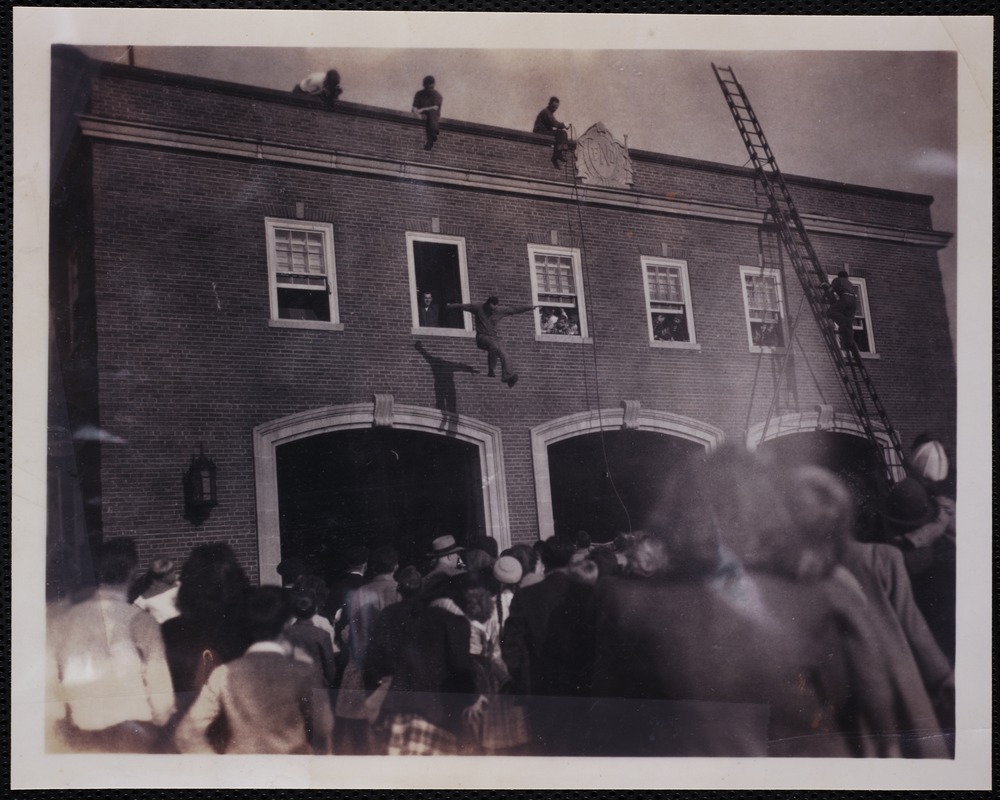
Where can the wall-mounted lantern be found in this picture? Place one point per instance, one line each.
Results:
(200, 492)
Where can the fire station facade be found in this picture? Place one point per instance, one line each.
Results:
(241, 273)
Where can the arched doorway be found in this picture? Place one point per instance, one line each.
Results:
(606, 484)
(375, 486)
(397, 472)
(838, 443)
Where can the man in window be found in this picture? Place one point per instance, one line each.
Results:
(487, 316)
(843, 298)
(428, 312)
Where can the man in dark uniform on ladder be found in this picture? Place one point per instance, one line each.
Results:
(843, 298)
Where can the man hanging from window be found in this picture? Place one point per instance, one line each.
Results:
(487, 316)
(547, 123)
(427, 102)
(843, 298)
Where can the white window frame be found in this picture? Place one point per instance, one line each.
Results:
(463, 269)
(651, 261)
(581, 303)
(866, 313)
(768, 272)
(329, 257)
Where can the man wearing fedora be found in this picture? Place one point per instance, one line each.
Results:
(447, 556)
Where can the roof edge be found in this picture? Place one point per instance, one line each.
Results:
(101, 68)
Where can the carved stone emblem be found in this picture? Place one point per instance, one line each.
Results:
(602, 161)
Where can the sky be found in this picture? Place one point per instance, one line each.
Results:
(876, 118)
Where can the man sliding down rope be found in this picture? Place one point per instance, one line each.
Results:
(487, 316)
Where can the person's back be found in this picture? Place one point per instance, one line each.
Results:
(110, 663)
(271, 703)
(773, 666)
(310, 639)
(210, 629)
(881, 574)
(433, 676)
(265, 694)
(746, 667)
(547, 642)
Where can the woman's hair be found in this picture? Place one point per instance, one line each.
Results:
(267, 612)
(557, 552)
(212, 581)
(821, 512)
(645, 556)
(526, 554)
(303, 604)
(729, 503)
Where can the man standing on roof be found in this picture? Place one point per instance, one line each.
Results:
(487, 316)
(324, 85)
(427, 102)
(547, 123)
(843, 307)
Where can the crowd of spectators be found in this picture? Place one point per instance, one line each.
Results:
(754, 615)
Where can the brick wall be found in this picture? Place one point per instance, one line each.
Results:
(186, 354)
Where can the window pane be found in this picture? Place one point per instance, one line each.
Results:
(767, 333)
(671, 326)
(299, 251)
(665, 283)
(861, 335)
(437, 270)
(762, 292)
(554, 274)
(303, 304)
(560, 320)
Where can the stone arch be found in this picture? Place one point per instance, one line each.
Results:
(629, 417)
(825, 420)
(383, 412)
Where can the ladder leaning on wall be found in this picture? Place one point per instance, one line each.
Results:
(792, 232)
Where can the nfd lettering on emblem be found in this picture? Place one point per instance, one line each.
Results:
(602, 161)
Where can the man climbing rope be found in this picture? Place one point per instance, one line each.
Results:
(487, 316)
(843, 298)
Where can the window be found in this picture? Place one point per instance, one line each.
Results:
(764, 301)
(668, 302)
(864, 337)
(302, 272)
(438, 276)
(558, 287)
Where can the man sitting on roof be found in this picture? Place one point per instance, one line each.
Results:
(546, 122)
(324, 85)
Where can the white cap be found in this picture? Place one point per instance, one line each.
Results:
(930, 462)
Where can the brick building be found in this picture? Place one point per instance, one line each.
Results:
(239, 269)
